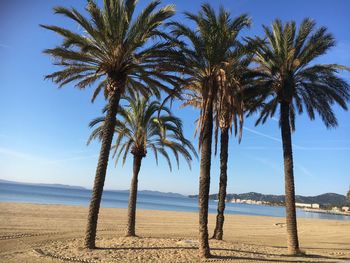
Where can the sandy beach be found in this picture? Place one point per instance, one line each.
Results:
(54, 233)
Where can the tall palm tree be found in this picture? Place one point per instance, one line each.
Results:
(228, 114)
(140, 126)
(291, 81)
(118, 52)
(209, 48)
(229, 111)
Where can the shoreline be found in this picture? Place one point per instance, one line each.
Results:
(323, 211)
(311, 210)
(193, 212)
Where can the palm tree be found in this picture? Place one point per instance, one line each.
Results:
(119, 53)
(209, 48)
(228, 112)
(348, 195)
(141, 126)
(229, 109)
(290, 80)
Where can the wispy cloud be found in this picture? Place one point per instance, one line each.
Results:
(278, 167)
(73, 159)
(303, 169)
(329, 141)
(22, 155)
(326, 148)
(266, 162)
(295, 146)
(42, 160)
(270, 137)
(262, 134)
(259, 148)
(4, 46)
(273, 165)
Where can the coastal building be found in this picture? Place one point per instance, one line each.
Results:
(316, 206)
(345, 209)
(248, 201)
(236, 200)
(303, 205)
(335, 209)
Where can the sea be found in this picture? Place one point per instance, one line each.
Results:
(43, 194)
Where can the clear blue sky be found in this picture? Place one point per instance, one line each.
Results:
(43, 130)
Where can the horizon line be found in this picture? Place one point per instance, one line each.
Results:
(187, 195)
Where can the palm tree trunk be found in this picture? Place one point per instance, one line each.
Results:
(292, 232)
(218, 232)
(108, 131)
(204, 181)
(130, 230)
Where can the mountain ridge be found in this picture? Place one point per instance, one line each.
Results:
(325, 200)
(44, 184)
(153, 192)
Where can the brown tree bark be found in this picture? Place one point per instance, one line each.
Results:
(204, 181)
(108, 131)
(218, 231)
(291, 219)
(130, 230)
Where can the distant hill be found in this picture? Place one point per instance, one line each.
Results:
(46, 185)
(161, 193)
(325, 200)
(168, 194)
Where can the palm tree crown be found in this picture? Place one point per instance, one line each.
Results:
(289, 76)
(143, 125)
(212, 48)
(229, 102)
(112, 44)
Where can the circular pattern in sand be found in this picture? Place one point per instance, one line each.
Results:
(135, 249)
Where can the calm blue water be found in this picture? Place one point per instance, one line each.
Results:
(56, 195)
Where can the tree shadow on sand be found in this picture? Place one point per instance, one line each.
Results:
(144, 248)
(301, 259)
(319, 248)
(263, 257)
(251, 259)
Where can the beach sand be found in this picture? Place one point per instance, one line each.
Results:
(54, 233)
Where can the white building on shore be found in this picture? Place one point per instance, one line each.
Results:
(303, 205)
(315, 206)
(335, 209)
(248, 201)
(345, 209)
